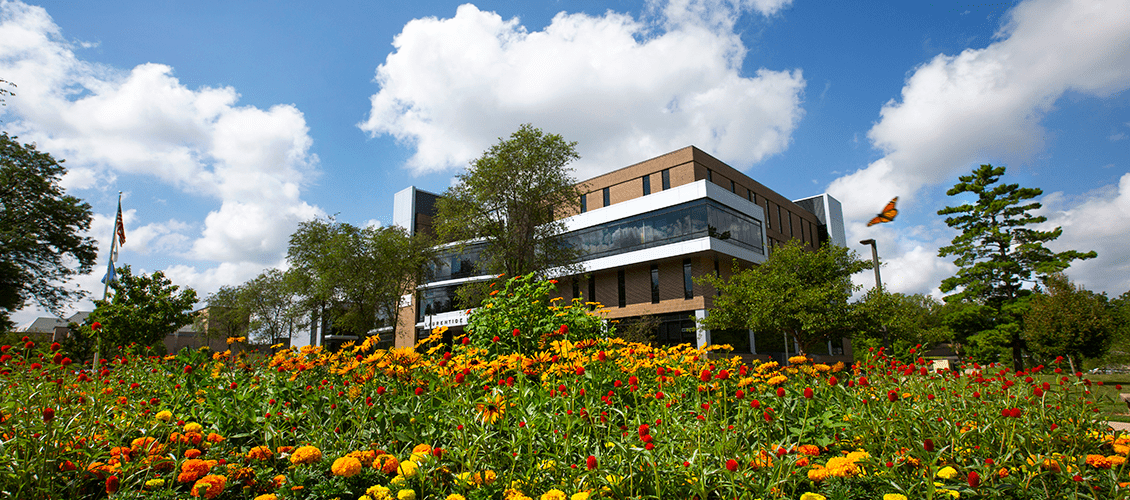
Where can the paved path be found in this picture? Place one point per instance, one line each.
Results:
(1119, 426)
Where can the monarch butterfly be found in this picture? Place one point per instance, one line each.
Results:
(888, 214)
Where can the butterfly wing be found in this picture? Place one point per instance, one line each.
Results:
(888, 214)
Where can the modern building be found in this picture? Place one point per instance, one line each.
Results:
(645, 232)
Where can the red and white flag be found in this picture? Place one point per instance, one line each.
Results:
(120, 226)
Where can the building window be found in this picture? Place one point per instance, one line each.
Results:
(790, 216)
(646, 185)
(584, 204)
(733, 187)
(621, 293)
(576, 288)
(654, 283)
(592, 288)
(752, 197)
(688, 283)
(709, 175)
(780, 225)
(666, 176)
(768, 215)
(607, 197)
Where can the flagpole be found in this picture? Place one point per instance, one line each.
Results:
(108, 278)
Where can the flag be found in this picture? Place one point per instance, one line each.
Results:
(110, 274)
(119, 225)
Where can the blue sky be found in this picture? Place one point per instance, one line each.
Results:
(225, 124)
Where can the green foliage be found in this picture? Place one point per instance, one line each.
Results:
(142, 310)
(998, 253)
(361, 272)
(42, 242)
(525, 305)
(802, 293)
(1119, 352)
(1070, 321)
(509, 197)
(910, 321)
(226, 316)
(274, 311)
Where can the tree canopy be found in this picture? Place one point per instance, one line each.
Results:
(802, 293)
(1070, 321)
(910, 320)
(999, 254)
(42, 242)
(356, 274)
(143, 309)
(509, 197)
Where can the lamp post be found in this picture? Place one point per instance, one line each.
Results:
(878, 284)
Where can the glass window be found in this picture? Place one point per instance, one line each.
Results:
(437, 300)
(768, 215)
(452, 263)
(683, 222)
(607, 197)
(646, 185)
(666, 175)
(733, 187)
(584, 204)
(621, 293)
(790, 216)
(592, 288)
(688, 283)
(752, 197)
(710, 175)
(780, 225)
(654, 283)
(576, 288)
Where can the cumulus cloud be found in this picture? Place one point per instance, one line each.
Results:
(625, 89)
(143, 121)
(1099, 221)
(957, 111)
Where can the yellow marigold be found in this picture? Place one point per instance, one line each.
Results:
(1116, 460)
(842, 467)
(1003, 473)
(164, 415)
(306, 455)
(580, 495)
(386, 463)
(813, 496)
(894, 496)
(1098, 461)
(821, 367)
(455, 496)
(422, 448)
(406, 495)
(408, 469)
(260, 453)
(377, 492)
(777, 380)
(346, 467)
(484, 477)
(858, 455)
(554, 495)
(798, 360)
(547, 464)
(947, 473)
(951, 493)
(193, 427)
(817, 473)
(366, 457)
(154, 483)
(767, 367)
(268, 496)
(209, 486)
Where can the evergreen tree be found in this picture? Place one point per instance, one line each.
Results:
(999, 254)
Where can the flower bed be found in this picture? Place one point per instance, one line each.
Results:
(591, 419)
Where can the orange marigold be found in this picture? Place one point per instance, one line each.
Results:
(808, 449)
(215, 438)
(209, 486)
(147, 445)
(306, 455)
(260, 453)
(120, 453)
(346, 467)
(386, 463)
(193, 469)
(1098, 461)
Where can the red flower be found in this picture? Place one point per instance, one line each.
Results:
(893, 396)
(494, 338)
(580, 370)
(563, 330)
(807, 393)
(740, 394)
(974, 479)
(768, 417)
(705, 376)
(1077, 478)
(833, 380)
(419, 391)
(1014, 413)
(96, 326)
(590, 462)
(731, 465)
(659, 395)
(928, 445)
(649, 446)
(29, 345)
(380, 390)
(188, 368)
(48, 414)
(515, 333)
(112, 484)
(55, 346)
(724, 374)
(644, 430)
(466, 341)
(602, 356)
(780, 392)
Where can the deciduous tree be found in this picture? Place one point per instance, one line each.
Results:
(802, 293)
(143, 309)
(509, 197)
(999, 254)
(910, 320)
(1070, 321)
(42, 242)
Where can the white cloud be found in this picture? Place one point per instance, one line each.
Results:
(984, 105)
(622, 88)
(1099, 221)
(143, 121)
(1117, 136)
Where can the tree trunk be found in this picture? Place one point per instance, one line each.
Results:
(1017, 352)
